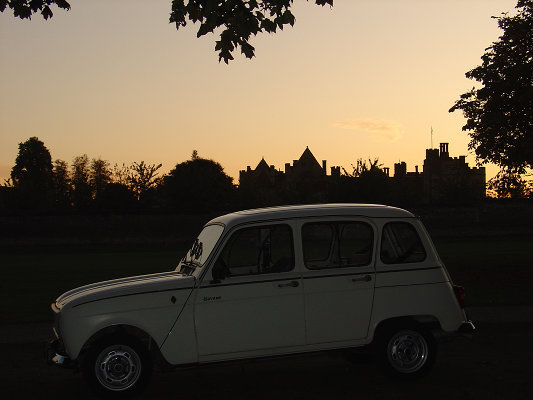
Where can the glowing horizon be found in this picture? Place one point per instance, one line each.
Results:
(116, 81)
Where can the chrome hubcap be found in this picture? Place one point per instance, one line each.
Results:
(118, 367)
(407, 351)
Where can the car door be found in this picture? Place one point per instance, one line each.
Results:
(338, 279)
(251, 300)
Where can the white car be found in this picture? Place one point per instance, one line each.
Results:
(269, 282)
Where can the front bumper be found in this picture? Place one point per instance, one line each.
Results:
(55, 355)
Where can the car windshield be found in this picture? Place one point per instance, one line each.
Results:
(194, 259)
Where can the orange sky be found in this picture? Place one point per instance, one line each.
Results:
(113, 79)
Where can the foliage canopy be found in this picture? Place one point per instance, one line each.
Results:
(500, 113)
(32, 174)
(239, 20)
(198, 184)
(26, 8)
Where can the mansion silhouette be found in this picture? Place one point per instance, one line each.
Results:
(443, 179)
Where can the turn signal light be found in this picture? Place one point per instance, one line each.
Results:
(460, 294)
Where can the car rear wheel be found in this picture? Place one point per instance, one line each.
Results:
(407, 352)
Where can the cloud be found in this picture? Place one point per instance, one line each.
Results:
(382, 131)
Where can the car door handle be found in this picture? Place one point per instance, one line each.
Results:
(289, 284)
(366, 278)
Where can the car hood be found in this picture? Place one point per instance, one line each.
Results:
(125, 286)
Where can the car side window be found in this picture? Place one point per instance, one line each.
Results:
(400, 244)
(257, 250)
(337, 244)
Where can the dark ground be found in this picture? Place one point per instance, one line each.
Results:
(493, 263)
(495, 364)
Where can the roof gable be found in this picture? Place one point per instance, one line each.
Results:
(308, 159)
(262, 165)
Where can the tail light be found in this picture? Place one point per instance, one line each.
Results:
(460, 295)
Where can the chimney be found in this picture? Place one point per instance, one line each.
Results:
(324, 162)
(400, 169)
(444, 149)
(386, 170)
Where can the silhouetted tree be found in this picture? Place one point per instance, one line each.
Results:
(32, 174)
(142, 178)
(198, 185)
(117, 197)
(500, 113)
(366, 183)
(239, 20)
(121, 174)
(81, 188)
(361, 167)
(99, 176)
(26, 8)
(8, 183)
(374, 184)
(62, 187)
(508, 184)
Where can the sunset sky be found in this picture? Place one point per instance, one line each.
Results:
(113, 79)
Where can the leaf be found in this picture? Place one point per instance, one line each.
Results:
(21, 10)
(247, 49)
(268, 25)
(36, 5)
(204, 28)
(47, 12)
(288, 18)
(63, 4)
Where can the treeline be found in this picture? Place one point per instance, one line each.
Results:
(39, 184)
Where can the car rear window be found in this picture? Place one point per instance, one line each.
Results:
(400, 244)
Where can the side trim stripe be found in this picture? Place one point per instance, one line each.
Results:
(131, 294)
(318, 276)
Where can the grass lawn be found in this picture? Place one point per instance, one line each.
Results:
(33, 277)
(494, 271)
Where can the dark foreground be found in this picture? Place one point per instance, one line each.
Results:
(495, 364)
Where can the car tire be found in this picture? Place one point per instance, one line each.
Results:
(407, 352)
(117, 366)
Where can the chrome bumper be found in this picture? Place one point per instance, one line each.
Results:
(466, 329)
(55, 355)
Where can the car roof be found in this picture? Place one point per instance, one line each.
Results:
(310, 210)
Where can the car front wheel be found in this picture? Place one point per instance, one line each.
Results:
(117, 366)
